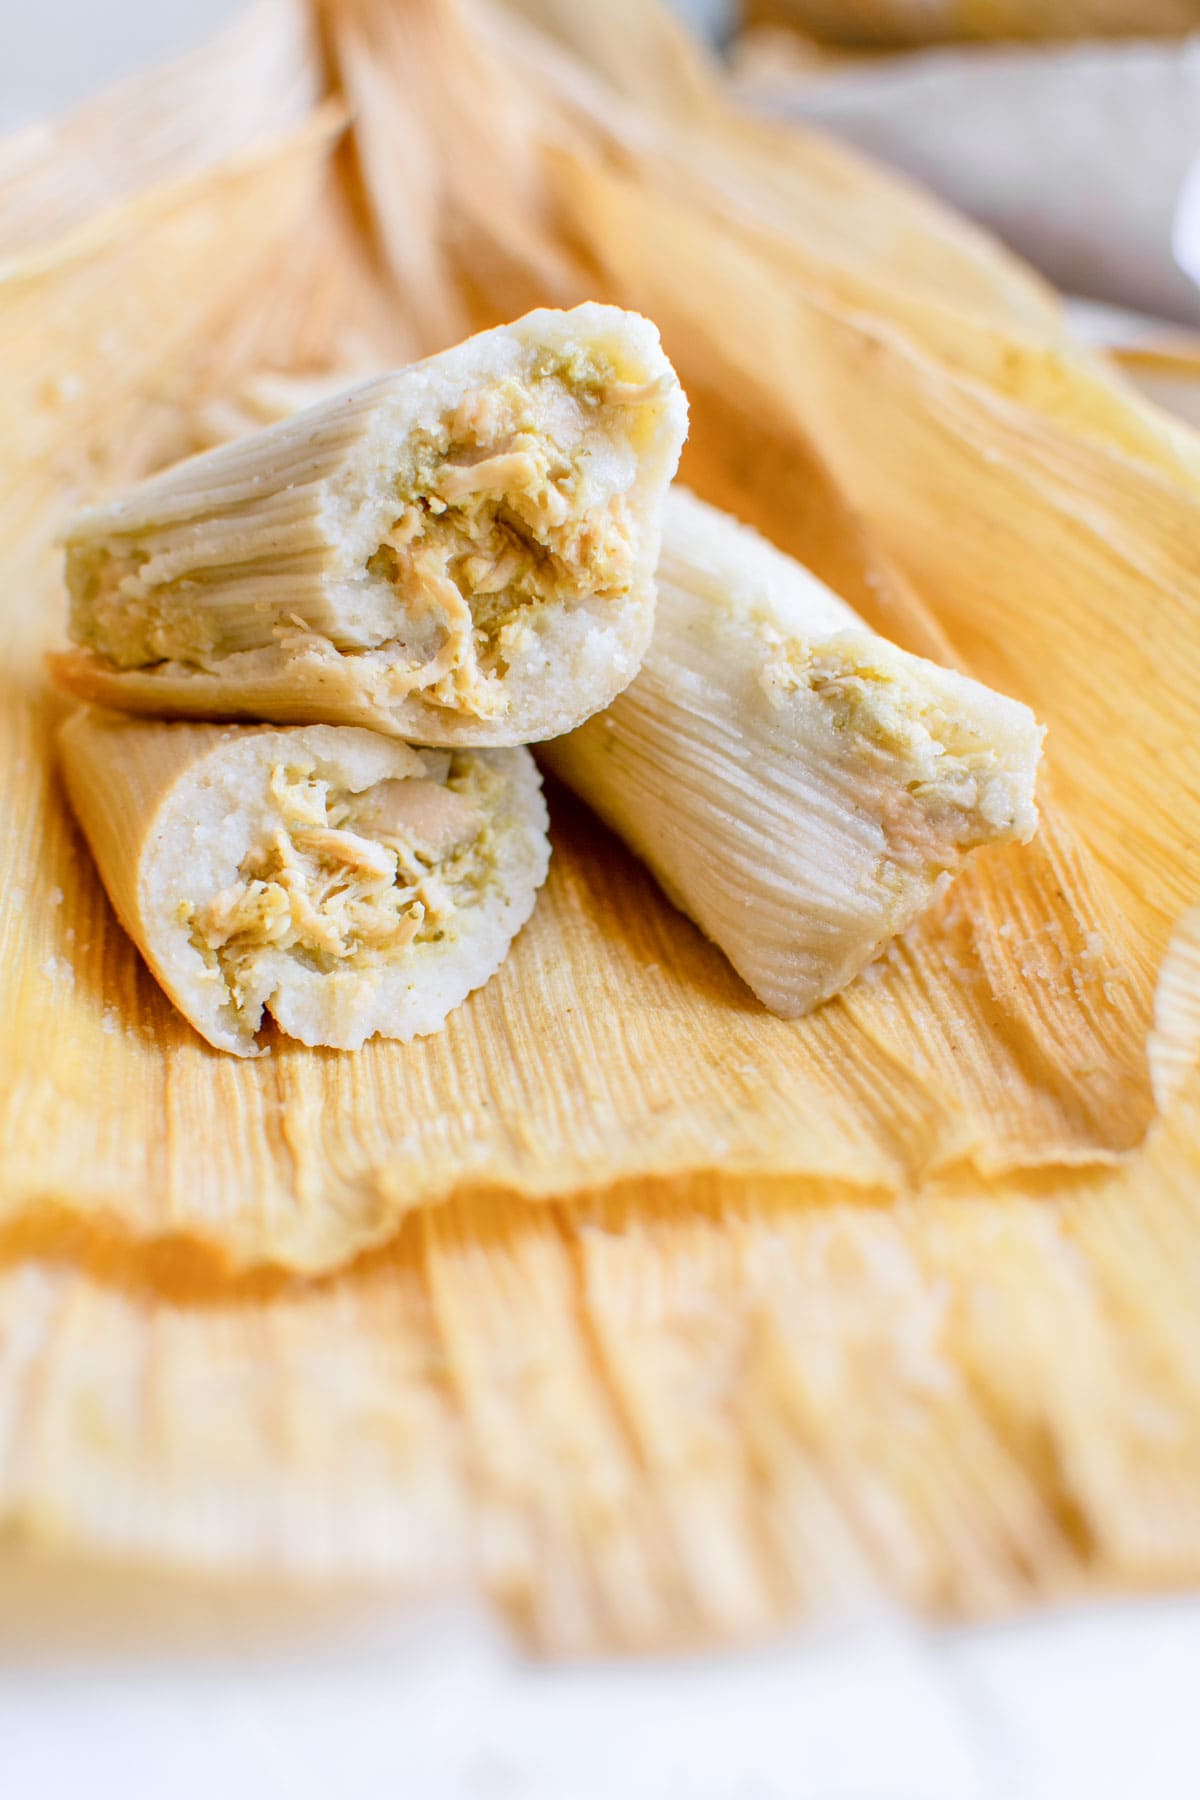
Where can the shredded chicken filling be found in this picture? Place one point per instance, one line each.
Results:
(493, 528)
(351, 880)
(939, 785)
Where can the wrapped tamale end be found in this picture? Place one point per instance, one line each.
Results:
(800, 786)
(347, 884)
(461, 552)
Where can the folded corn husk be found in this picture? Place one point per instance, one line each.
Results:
(646, 1419)
(921, 22)
(801, 788)
(1159, 359)
(1170, 379)
(461, 552)
(1064, 188)
(928, 1328)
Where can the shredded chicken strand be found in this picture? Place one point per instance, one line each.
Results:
(324, 890)
(499, 535)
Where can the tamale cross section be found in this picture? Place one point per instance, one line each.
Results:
(461, 552)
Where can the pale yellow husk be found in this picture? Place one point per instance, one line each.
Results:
(892, 22)
(260, 75)
(664, 1417)
(898, 1295)
(1031, 1054)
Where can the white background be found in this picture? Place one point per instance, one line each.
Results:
(116, 1685)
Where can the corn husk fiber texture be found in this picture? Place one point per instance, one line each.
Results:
(654, 1316)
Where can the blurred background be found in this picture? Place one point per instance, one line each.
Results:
(1075, 139)
(1070, 127)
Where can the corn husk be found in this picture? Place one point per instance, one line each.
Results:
(1170, 379)
(259, 76)
(1159, 359)
(648, 1419)
(876, 22)
(722, 1318)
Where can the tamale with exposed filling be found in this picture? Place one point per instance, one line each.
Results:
(800, 786)
(461, 552)
(347, 884)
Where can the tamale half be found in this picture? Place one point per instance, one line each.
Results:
(458, 553)
(345, 883)
(800, 787)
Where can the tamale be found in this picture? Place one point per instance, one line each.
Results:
(458, 553)
(1023, 510)
(346, 884)
(801, 788)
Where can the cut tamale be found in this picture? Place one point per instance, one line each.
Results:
(458, 553)
(1022, 511)
(800, 787)
(346, 884)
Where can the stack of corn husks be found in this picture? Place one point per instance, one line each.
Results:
(651, 1316)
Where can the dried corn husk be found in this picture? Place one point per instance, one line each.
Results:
(897, 1297)
(260, 76)
(808, 195)
(646, 1419)
(819, 216)
(1170, 378)
(1161, 360)
(365, 1144)
(920, 22)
